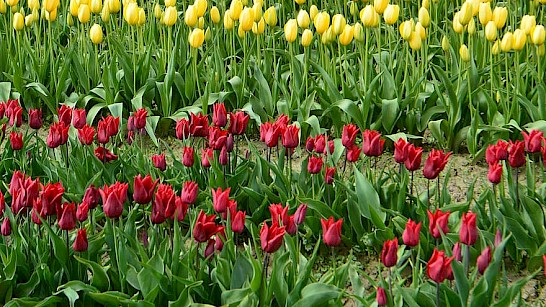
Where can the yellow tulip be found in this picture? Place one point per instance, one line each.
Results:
(257, 9)
(96, 6)
(228, 22)
(240, 32)
(131, 14)
(424, 17)
(196, 38)
(291, 30)
(114, 6)
(246, 20)
(207, 34)
(74, 6)
(170, 3)
(51, 16)
(445, 43)
(141, 17)
(538, 35)
(475, 5)
(51, 5)
(28, 21)
(425, 4)
(390, 15)
(157, 11)
(259, 27)
(338, 23)
(201, 22)
(415, 41)
(13, 3)
(359, 32)
(353, 9)
(506, 42)
(420, 30)
(170, 17)
(3, 7)
(18, 21)
(540, 50)
(485, 15)
(201, 7)
(520, 38)
(321, 22)
(346, 36)
(300, 2)
(190, 18)
(499, 16)
(495, 49)
(465, 14)
(464, 53)
(215, 15)
(313, 11)
(33, 5)
(405, 29)
(306, 38)
(95, 33)
(380, 5)
(105, 14)
(457, 26)
(303, 19)
(491, 31)
(471, 27)
(528, 22)
(270, 16)
(236, 8)
(369, 16)
(84, 13)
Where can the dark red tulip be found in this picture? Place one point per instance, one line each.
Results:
(495, 173)
(35, 118)
(502, 150)
(189, 192)
(271, 237)
(269, 133)
(220, 199)
(389, 253)
(484, 259)
(37, 212)
(331, 231)
(413, 158)
(279, 214)
(2, 109)
(516, 154)
(329, 174)
(331, 147)
(223, 158)
(320, 143)
(438, 221)
(50, 198)
(299, 215)
(206, 157)
(112, 125)
(80, 244)
(131, 123)
(230, 142)
(113, 198)
(315, 165)
(105, 155)
(353, 153)
(86, 135)
(205, 227)
(372, 144)
(310, 144)
(181, 209)
(468, 233)
(238, 221)
(16, 140)
(238, 122)
(2, 204)
(220, 239)
(68, 217)
(14, 112)
(199, 125)
(209, 249)
(217, 137)
(457, 252)
(435, 163)
(92, 197)
(79, 118)
(163, 205)
(400, 150)
(6, 227)
(64, 113)
(58, 135)
(143, 189)
(290, 137)
(219, 115)
(381, 297)
(411, 233)
(102, 132)
(439, 266)
(230, 210)
(82, 212)
(159, 162)
(182, 129)
(140, 118)
(188, 156)
(533, 140)
(348, 136)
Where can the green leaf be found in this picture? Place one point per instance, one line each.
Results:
(317, 294)
(368, 201)
(99, 277)
(389, 114)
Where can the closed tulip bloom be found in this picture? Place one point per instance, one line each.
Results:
(438, 221)
(320, 144)
(271, 237)
(369, 17)
(68, 217)
(494, 174)
(353, 153)
(516, 154)
(80, 244)
(484, 259)
(196, 38)
(102, 132)
(381, 297)
(315, 165)
(400, 150)
(82, 212)
(485, 13)
(500, 14)
(424, 17)
(219, 115)
(538, 35)
(206, 157)
(159, 162)
(502, 150)
(164, 202)
(199, 125)
(338, 23)
(220, 199)
(64, 114)
(143, 189)
(389, 255)
(506, 42)
(92, 196)
(358, 32)
(465, 14)
(238, 122)
(78, 118)
(50, 198)
(468, 233)
(464, 53)
(457, 254)
(246, 20)
(2, 203)
(214, 15)
(140, 118)
(217, 138)
(415, 41)
(331, 231)
(380, 5)
(329, 174)
(113, 198)
(391, 14)
(270, 16)
(18, 21)
(170, 16)
(519, 40)
(445, 43)
(290, 137)
(291, 30)
(310, 144)
(105, 155)
(5, 229)
(528, 22)
(299, 215)
(58, 135)
(84, 13)
(86, 135)
(346, 37)
(303, 19)
(491, 31)
(348, 136)
(238, 222)
(182, 129)
(188, 156)
(533, 140)
(35, 118)
(279, 214)
(439, 266)
(223, 158)
(321, 22)
(16, 140)
(372, 144)
(411, 233)
(435, 163)
(189, 192)
(181, 209)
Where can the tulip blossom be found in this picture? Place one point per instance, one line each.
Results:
(35, 118)
(389, 255)
(329, 173)
(353, 153)
(16, 140)
(484, 259)
(188, 156)
(181, 209)
(105, 155)
(348, 136)
(238, 122)
(439, 266)
(413, 157)
(290, 137)
(435, 163)
(58, 135)
(64, 113)
(50, 198)
(223, 158)
(140, 118)
(2, 203)
(533, 141)
(112, 125)
(410, 236)
(163, 205)
(238, 221)
(205, 227)
(206, 157)
(199, 125)
(299, 215)
(310, 144)
(320, 143)
(182, 129)
(220, 199)
(279, 214)
(159, 162)
(102, 132)
(143, 189)
(457, 252)
(82, 212)
(68, 217)
(219, 115)
(495, 173)
(86, 134)
(270, 134)
(381, 297)
(5, 229)
(209, 249)
(516, 154)
(331, 231)
(92, 197)
(469, 231)
(271, 237)
(14, 112)
(400, 150)
(217, 138)
(372, 144)
(80, 244)
(79, 118)
(438, 221)
(113, 198)
(230, 142)
(189, 192)
(315, 165)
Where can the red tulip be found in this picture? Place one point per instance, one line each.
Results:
(220, 239)
(498, 238)
(269, 134)
(299, 215)
(2, 109)
(34, 118)
(105, 155)
(112, 125)
(310, 144)
(2, 203)
(223, 158)
(205, 227)
(469, 231)
(495, 173)
(102, 132)
(435, 163)
(494, 153)
(16, 140)
(58, 135)
(381, 297)
(64, 113)
(320, 143)
(181, 209)
(502, 150)
(188, 156)
(414, 157)
(410, 236)
(68, 217)
(92, 197)
(217, 137)
(15, 113)
(315, 165)
(533, 140)
(438, 221)
(86, 135)
(372, 144)
(353, 153)
(329, 174)
(206, 157)
(331, 231)
(348, 136)
(140, 118)
(457, 252)
(209, 249)
(484, 259)
(5, 229)
(230, 143)
(389, 255)
(37, 212)
(143, 189)
(279, 214)
(220, 199)
(131, 124)
(271, 237)
(331, 147)
(199, 125)
(544, 260)
(400, 150)
(159, 162)
(439, 266)
(163, 205)
(113, 198)
(516, 154)
(238, 221)
(189, 192)
(82, 212)
(238, 122)
(182, 129)
(219, 115)
(80, 244)
(290, 137)
(79, 118)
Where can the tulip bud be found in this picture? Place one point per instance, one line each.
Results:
(303, 19)
(321, 22)
(18, 21)
(260, 27)
(235, 9)
(465, 14)
(500, 14)
(391, 14)
(208, 35)
(141, 17)
(228, 22)
(257, 9)
(538, 35)
(196, 38)
(415, 41)
(519, 40)
(445, 43)
(346, 37)
(114, 6)
(3, 7)
(491, 31)
(96, 6)
(270, 16)
(506, 43)
(485, 15)
(424, 17)
(170, 16)
(214, 15)
(190, 18)
(246, 20)
(471, 28)
(420, 30)
(201, 7)
(338, 24)
(201, 22)
(95, 33)
(528, 22)
(380, 5)
(291, 30)
(69, 20)
(74, 6)
(353, 9)
(157, 11)
(495, 49)
(359, 32)
(457, 26)
(28, 20)
(369, 16)
(84, 13)
(313, 11)
(306, 37)
(464, 53)
(131, 14)
(406, 29)
(540, 50)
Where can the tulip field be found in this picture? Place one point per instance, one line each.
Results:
(272, 153)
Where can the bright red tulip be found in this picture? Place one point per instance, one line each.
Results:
(16, 140)
(516, 154)
(219, 115)
(188, 156)
(64, 113)
(113, 198)
(143, 189)
(495, 173)
(206, 157)
(82, 212)
(140, 118)
(159, 162)
(58, 135)
(209, 249)
(331, 147)
(205, 227)
(348, 136)
(220, 199)
(411, 233)
(279, 214)
(112, 125)
(2, 109)
(68, 217)
(331, 231)
(353, 153)
(400, 150)
(105, 155)
(484, 259)
(80, 244)
(381, 297)
(439, 266)
(5, 229)
(102, 132)
(163, 205)
(468, 233)
(290, 137)
(2, 204)
(238, 122)
(189, 192)
(435, 163)
(79, 118)
(372, 144)
(14, 112)
(438, 221)
(329, 174)
(414, 157)
(86, 135)
(533, 140)
(182, 129)
(389, 254)
(199, 125)
(271, 237)
(238, 221)
(36, 212)
(181, 209)
(35, 118)
(217, 137)
(50, 198)
(315, 165)
(270, 133)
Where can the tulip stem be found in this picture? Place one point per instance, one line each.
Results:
(67, 243)
(437, 294)
(438, 192)
(264, 287)
(428, 193)
(466, 259)
(411, 186)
